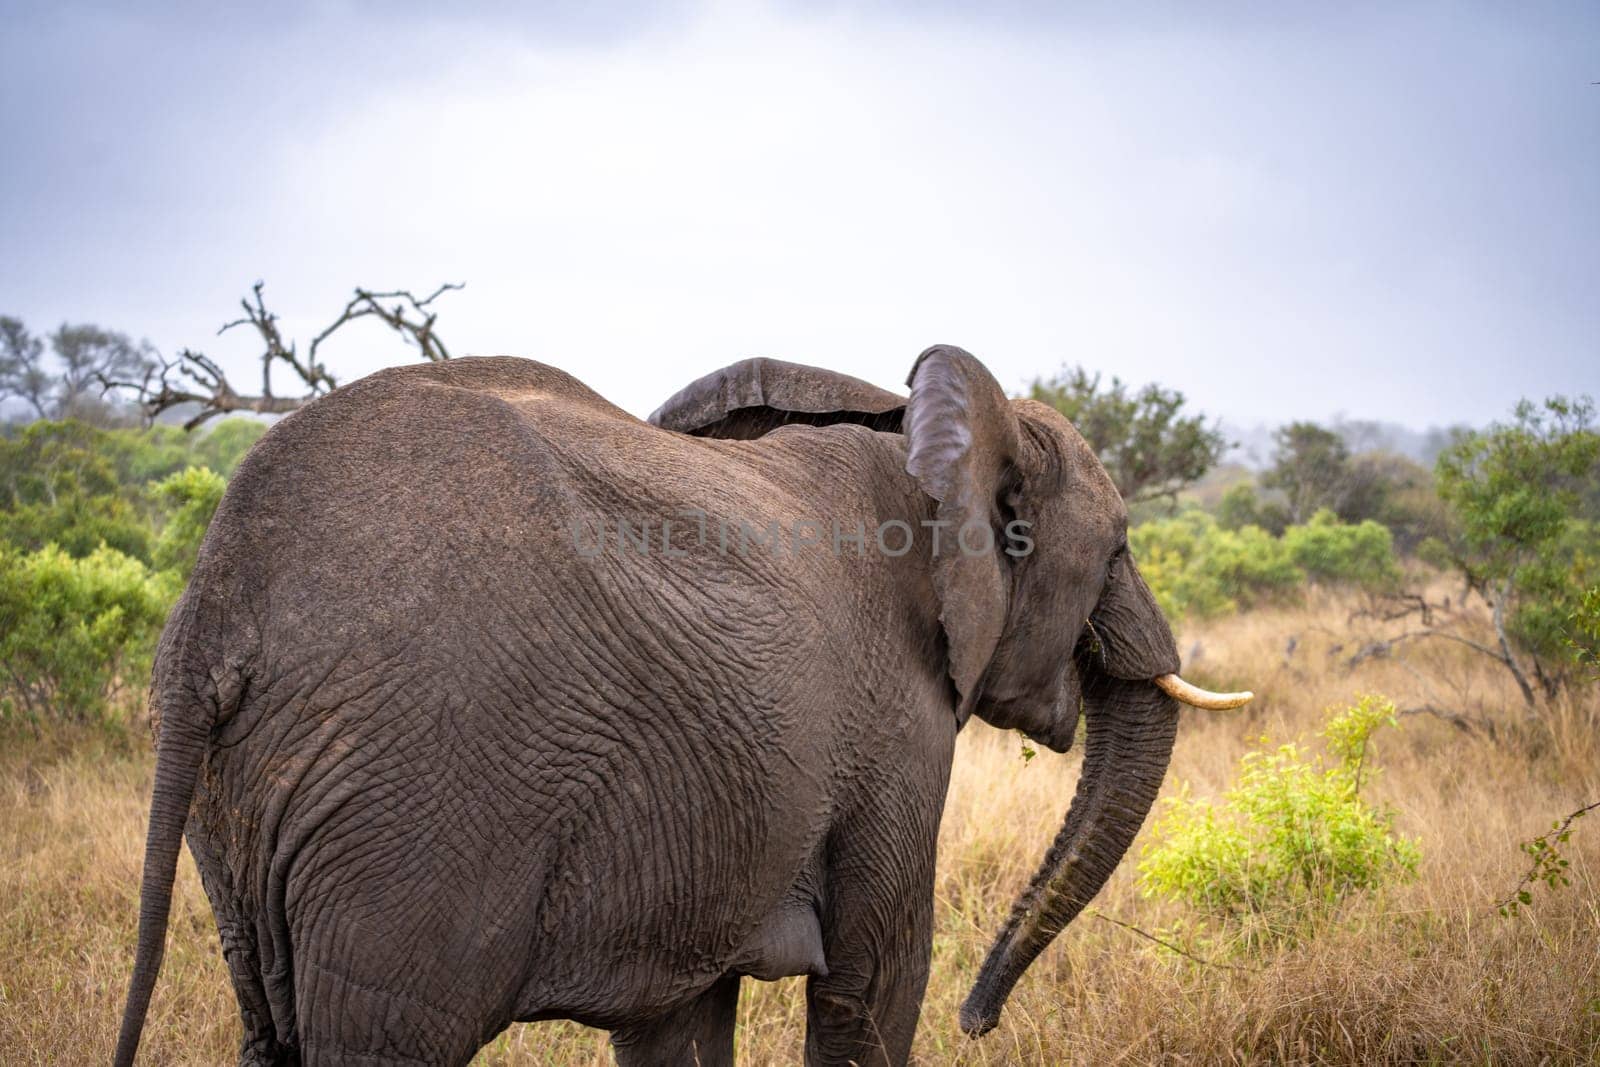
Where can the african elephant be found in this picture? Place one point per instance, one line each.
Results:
(481, 706)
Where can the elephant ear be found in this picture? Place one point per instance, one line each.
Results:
(755, 396)
(963, 444)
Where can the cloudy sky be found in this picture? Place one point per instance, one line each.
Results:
(1387, 211)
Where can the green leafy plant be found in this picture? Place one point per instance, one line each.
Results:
(77, 486)
(192, 495)
(75, 634)
(1583, 632)
(1360, 554)
(1290, 837)
(99, 530)
(1525, 540)
(1197, 567)
(1548, 864)
(1243, 506)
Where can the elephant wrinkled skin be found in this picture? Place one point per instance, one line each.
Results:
(444, 766)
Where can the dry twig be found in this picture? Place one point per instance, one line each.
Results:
(1169, 945)
(195, 378)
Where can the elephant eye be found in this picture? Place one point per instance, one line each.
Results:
(1115, 561)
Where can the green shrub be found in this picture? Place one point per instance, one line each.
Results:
(1549, 591)
(1524, 537)
(1243, 506)
(99, 530)
(222, 446)
(1352, 553)
(1583, 632)
(193, 495)
(77, 523)
(75, 486)
(76, 634)
(1290, 837)
(1197, 567)
(60, 487)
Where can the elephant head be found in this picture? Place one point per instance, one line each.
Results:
(1034, 638)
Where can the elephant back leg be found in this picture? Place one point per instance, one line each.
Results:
(699, 1034)
(237, 931)
(354, 1006)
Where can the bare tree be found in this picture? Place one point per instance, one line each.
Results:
(87, 355)
(195, 378)
(65, 384)
(22, 372)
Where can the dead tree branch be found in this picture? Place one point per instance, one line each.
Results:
(195, 378)
(1465, 723)
(1380, 649)
(1391, 607)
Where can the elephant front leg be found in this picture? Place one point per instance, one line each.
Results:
(700, 1034)
(878, 938)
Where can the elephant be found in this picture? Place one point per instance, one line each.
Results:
(481, 707)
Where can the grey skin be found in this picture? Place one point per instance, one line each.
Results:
(441, 771)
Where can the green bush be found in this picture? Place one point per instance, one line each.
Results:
(1549, 591)
(1359, 554)
(77, 523)
(1243, 506)
(76, 634)
(79, 486)
(192, 495)
(1526, 531)
(1197, 567)
(1583, 633)
(224, 445)
(1291, 836)
(99, 529)
(59, 486)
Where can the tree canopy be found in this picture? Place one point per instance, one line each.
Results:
(1149, 446)
(1526, 536)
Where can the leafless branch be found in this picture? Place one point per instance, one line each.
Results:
(195, 378)
(409, 317)
(1380, 649)
(1391, 607)
(1464, 723)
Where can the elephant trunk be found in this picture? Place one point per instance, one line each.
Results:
(1131, 727)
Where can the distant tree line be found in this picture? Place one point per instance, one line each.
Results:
(1511, 511)
(1314, 469)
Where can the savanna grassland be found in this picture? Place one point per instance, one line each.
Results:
(1422, 970)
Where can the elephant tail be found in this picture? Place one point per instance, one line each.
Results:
(185, 706)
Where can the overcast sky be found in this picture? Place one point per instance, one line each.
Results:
(1387, 211)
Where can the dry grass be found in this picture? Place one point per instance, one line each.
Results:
(1425, 973)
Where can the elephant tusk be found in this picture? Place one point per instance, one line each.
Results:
(1194, 696)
